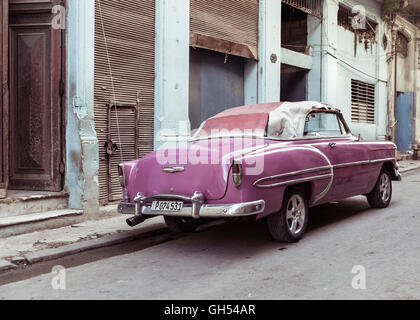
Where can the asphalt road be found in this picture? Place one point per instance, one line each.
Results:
(239, 261)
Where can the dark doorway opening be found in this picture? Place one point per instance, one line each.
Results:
(294, 83)
(216, 84)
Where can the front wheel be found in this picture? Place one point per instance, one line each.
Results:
(289, 224)
(380, 197)
(176, 224)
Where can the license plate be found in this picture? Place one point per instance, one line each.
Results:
(168, 206)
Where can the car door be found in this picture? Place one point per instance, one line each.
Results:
(349, 157)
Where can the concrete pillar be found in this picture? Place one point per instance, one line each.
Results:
(172, 67)
(82, 157)
(269, 47)
(314, 75)
(329, 63)
(251, 82)
(417, 77)
(381, 88)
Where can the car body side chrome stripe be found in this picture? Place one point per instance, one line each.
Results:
(294, 181)
(351, 164)
(295, 173)
(382, 160)
(317, 177)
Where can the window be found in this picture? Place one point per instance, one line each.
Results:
(402, 44)
(323, 124)
(312, 7)
(418, 52)
(345, 18)
(362, 102)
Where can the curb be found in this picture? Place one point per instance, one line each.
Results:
(78, 247)
(6, 265)
(409, 170)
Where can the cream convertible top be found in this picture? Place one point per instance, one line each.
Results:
(286, 120)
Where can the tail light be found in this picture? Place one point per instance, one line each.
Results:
(237, 173)
(121, 175)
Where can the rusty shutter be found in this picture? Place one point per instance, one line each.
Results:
(124, 48)
(225, 26)
(3, 95)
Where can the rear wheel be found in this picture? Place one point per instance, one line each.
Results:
(289, 224)
(381, 195)
(177, 224)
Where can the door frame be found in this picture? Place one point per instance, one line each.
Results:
(57, 85)
(4, 96)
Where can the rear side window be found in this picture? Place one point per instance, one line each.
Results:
(322, 124)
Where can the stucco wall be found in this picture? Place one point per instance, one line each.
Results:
(335, 58)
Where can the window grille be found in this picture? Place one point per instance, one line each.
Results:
(312, 7)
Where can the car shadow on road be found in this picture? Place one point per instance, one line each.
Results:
(321, 218)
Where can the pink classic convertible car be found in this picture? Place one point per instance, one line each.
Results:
(271, 161)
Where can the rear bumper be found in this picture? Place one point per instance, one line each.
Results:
(203, 211)
(397, 175)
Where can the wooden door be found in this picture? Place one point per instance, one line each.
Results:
(35, 97)
(3, 95)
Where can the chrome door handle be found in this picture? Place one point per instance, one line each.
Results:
(333, 144)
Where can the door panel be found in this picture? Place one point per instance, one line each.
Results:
(351, 170)
(3, 95)
(405, 107)
(35, 100)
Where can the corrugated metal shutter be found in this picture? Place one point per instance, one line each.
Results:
(129, 26)
(225, 26)
(362, 102)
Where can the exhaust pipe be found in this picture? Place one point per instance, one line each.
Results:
(133, 221)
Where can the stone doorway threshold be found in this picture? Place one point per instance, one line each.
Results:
(23, 211)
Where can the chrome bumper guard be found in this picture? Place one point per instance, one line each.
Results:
(194, 210)
(397, 175)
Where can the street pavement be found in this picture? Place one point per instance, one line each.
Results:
(349, 252)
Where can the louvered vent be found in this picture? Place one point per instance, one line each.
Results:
(362, 102)
(129, 27)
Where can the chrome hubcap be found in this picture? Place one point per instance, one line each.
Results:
(385, 187)
(296, 214)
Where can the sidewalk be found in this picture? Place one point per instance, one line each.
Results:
(55, 243)
(408, 165)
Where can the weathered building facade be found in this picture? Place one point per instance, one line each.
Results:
(87, 84)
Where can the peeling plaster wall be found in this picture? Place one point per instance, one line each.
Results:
(82, 161)
(408, 72)
(335, 64)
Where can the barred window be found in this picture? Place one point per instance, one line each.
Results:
(312, 7)
(362, 102)
(418, 53)
(345, 17)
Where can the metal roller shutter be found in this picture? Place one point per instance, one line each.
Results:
(129, 27)
(225, 26)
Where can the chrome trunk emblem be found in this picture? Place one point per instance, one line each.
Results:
(173, 169)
